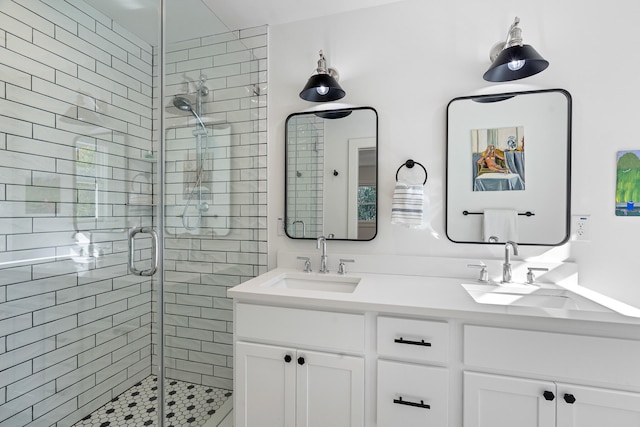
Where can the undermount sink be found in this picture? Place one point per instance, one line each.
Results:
(529, 296)
(315, 282)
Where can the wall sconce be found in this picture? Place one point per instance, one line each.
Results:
(323, 86)
(513, 60)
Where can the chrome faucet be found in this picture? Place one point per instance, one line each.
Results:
(323, 258)
(506, 267)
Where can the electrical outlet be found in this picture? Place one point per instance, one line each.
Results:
(581, 228)
(281, 231)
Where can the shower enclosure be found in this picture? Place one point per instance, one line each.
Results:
(132, 195)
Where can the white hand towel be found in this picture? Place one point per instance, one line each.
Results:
(500, 223)
(407, 204)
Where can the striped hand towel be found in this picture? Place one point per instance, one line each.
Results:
(407, 204)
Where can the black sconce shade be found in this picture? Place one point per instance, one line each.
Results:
(516, 62)
(323, 85)
(322, 88)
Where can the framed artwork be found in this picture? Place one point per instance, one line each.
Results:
(498, 159)
(628, 183)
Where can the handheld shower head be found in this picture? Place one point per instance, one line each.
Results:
(182, 103)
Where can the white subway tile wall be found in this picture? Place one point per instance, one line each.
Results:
(305, 176)
(77, 123)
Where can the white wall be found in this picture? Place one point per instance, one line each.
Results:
(409, 59)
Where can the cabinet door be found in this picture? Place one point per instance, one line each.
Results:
(412, 395)
(500, 401)
(265, 386)
(330, 390)
(580, 406)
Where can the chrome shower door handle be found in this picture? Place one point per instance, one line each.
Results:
(154, 251)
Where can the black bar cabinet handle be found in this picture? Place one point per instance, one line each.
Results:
(403, 341)
(527, 213)
(423, 405)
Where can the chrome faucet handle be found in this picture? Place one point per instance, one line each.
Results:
(341, 267)
(484, 273)
(307, 263)
(531, 278)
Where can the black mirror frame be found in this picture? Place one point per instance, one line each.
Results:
(497, 97)
(330, 114)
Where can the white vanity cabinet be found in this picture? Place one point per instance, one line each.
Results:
(501, 401)
(596, 407)
(411, 354)
(287, 387)
(280, 381)
(410, 393)
(492, 400)
(504, 401)
(265, 385)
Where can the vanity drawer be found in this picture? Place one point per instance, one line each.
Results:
(305, 328)
(412, 339)
(412, 395)
(561, 356)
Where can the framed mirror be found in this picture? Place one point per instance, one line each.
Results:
(331, 174)
(509, 168)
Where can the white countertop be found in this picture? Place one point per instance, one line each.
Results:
(404, 294)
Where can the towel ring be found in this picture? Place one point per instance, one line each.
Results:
(409, 164)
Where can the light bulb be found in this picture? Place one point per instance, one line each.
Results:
(322, 90)
(515, 65)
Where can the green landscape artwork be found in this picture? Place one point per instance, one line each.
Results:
(628, 183)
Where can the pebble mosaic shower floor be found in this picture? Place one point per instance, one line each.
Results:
(187, 405)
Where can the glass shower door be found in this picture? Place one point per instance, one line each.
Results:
(85, 182)
(215, 196)
(77, 175)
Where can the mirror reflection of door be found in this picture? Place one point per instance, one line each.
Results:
(361, 208)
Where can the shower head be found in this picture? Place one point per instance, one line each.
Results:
(182, 103)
